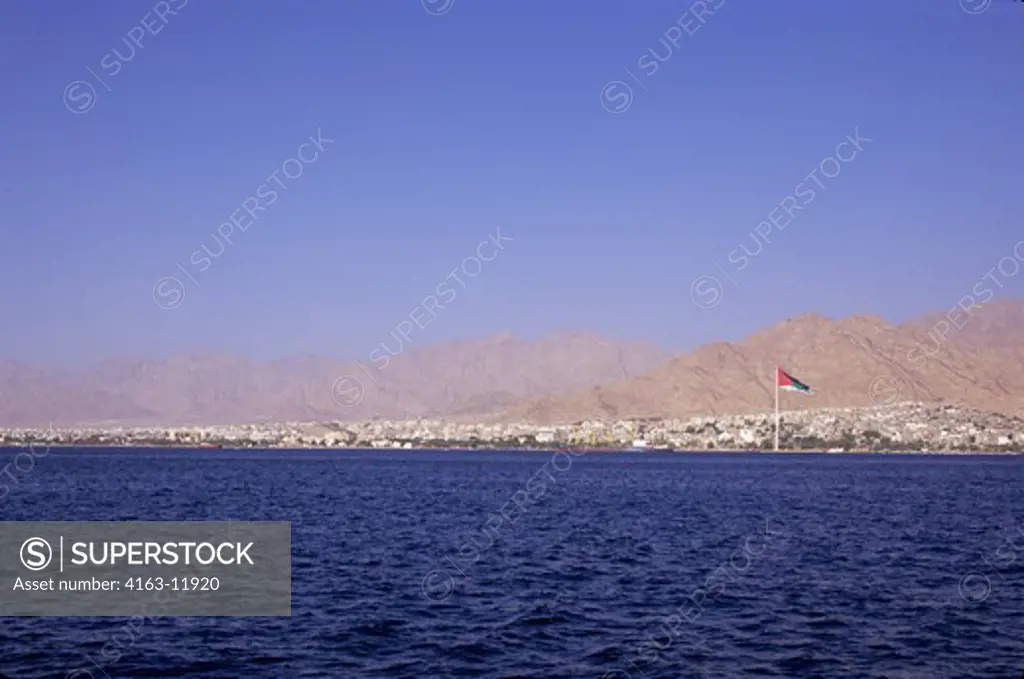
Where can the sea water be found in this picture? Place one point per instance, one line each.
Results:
(533, 564)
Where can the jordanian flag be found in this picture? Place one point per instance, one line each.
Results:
(790, 383)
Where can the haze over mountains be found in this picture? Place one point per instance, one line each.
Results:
(856, 361)
(469, 376)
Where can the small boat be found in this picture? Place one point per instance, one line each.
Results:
(211, 446)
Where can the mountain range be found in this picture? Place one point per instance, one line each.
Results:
(857, 361)
(952, 357)
(446, 379)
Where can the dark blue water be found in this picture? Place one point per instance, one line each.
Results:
(615, 566)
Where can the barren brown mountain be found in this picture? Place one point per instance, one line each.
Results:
(448, 378)
(856, 361)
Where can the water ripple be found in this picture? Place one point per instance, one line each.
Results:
(625, 567)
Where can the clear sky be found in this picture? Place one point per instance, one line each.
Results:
(489, 114)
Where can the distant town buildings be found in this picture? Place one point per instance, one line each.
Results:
(903, 427)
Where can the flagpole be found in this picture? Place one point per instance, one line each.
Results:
(775, 377)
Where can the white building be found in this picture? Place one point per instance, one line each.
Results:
(545, 436)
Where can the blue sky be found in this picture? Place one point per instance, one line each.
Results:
(491, 114)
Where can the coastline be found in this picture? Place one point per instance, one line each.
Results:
(482, 449)
(906, 428)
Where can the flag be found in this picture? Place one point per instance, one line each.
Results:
(790, 383)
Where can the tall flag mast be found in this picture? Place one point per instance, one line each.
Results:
(784, 380)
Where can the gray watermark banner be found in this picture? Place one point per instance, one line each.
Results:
(145, 568)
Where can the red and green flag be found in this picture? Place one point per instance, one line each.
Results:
(790, 383)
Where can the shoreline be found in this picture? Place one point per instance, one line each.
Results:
(555, 449)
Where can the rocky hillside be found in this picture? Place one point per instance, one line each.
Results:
(853, 362)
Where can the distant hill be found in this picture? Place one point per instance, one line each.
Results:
(856, 361)
(456, 377)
